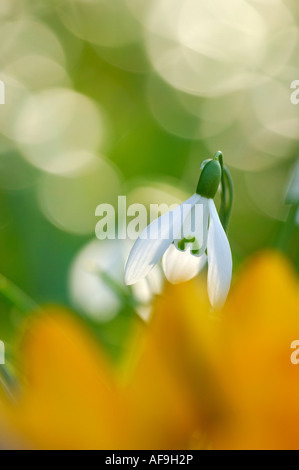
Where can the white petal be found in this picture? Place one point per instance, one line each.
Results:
(181, 266)
(145, 312)
(153, 242)
(196, 225)
(201, 232)
(219, 259)
(146, 289)
(152, 285)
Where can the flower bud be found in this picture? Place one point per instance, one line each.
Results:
(209, 180)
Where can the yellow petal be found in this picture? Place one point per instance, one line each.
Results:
(261, 385)
(181, 335)
(67, 398)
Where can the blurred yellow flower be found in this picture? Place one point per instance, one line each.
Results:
(72, 398)
(190, 379)
(254, 362)
(240, 367)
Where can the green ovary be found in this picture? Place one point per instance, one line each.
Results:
(182, 245)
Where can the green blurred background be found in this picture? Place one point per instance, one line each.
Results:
(127, 97)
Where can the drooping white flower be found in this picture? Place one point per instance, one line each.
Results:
(185, 244)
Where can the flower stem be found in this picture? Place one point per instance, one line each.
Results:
(227, 193)
(16, 296)
(123, 295)
(7, 382)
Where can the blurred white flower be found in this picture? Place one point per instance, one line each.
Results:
(293, 189)
(92, 295)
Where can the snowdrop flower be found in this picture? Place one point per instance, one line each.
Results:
(184, 238)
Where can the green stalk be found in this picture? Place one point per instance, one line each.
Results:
(229, 205)
(125, 296)
(227, 193)
(7, 382)
(287, 230)
(16, 296)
